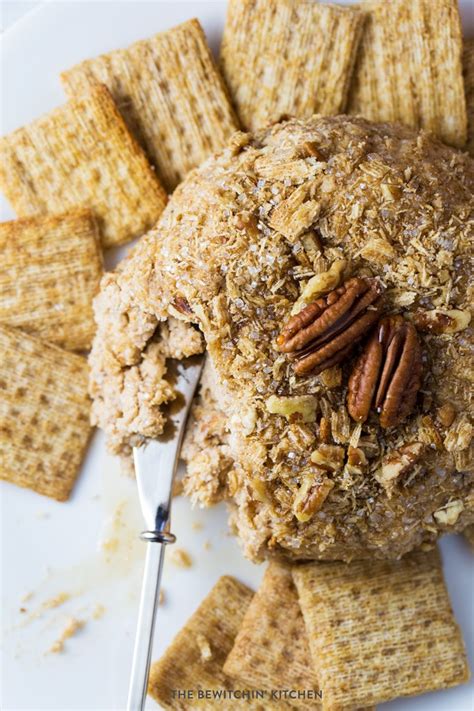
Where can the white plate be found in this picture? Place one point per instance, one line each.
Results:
(50, 548)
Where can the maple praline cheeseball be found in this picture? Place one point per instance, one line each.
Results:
(324, 263)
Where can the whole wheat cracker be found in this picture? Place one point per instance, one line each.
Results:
(288, 57)
(195, 658)
(468, 65)
(271, 648)
(51, 269)
(169, 92)
(409, 67)
(44, 414)
(380, 629)
(82, 154)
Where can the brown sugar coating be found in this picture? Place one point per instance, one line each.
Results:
(274, 222)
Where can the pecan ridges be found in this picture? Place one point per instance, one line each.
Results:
(387, 375)
(325, 331)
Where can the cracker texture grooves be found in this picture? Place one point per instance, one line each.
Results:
(82, 154)
(409, 68)
(51, 269)
(184, 666)
(273, 630)
(44, 414)
(169, 92)
(288, 58)
(380, 629)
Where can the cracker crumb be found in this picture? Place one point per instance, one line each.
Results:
(56, 601)
(180, 558)
(98, 611)
(204, 647)
(72, 627)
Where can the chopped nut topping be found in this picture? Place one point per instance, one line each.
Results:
(428, 432)
(388, 373)
(304, 405)
(320, 284)
(440, 322)
(449, 514)
(311, 496)
(399, 462)
(329, 457)
(459, 435)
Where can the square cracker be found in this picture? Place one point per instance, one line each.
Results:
(81, 154)
(380, 629)
(288, 57)
(195, 658)
(271, 649)
(44, 414)
(468, 64)
(51, 269)
(409, 67)
(170, 94)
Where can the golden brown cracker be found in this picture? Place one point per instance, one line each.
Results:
(51, 269)
(82, 154)
(169, 92)
(380, 629)
(196, 657)
(271, 648)
(44, 414)
(288, 57)
(468, 65)
(409, 67)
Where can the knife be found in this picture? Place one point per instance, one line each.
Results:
(155, 467)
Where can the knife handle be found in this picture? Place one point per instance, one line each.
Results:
(155, 556)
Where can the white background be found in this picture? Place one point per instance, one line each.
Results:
(49, 548)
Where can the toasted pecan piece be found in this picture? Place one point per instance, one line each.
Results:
(325, 331)
(387, 374)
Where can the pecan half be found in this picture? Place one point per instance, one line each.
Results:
(325, 331)
(387, 374)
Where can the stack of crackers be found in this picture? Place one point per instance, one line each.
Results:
(91, 175)
(327, 636)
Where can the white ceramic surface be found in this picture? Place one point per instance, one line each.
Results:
(88, 546)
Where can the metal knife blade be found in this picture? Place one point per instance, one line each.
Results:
(155, 468)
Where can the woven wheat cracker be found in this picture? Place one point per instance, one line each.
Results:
(468, 63)
(271, 648)
(409, 67)
(51, 269)
(81, 154)
(380, 629)
(169, 92)
(44, 414)
(195, 658)
(288, 57)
